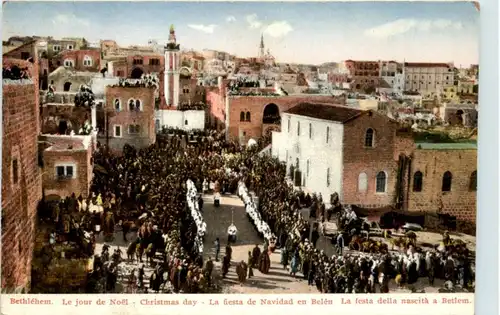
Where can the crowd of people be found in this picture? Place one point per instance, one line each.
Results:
(146, 190)
(279, 205)
(153, 191)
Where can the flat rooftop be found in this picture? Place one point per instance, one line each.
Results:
(66, 143)
(446, 146)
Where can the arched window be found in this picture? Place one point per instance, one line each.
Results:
(242, 116)
(138, 105)
(369, 138)
(247, 116)
(69, 63)
(418, 181)
(131, 104)
(87, 61)
(362, 182)
(473, 181)
(447, 178)
(67, 86)
(381, 182)
(118, 104)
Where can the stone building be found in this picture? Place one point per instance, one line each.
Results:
(466, 87)
(78, 60)
(444, 179)
(36, 52)
(67, 165)
(372, 162)
(428, 78)
(21, 175)
(128, 117)
(66, 79)
(365, 74)
(55, 46)
(59, 115)
(253, 112)
(332, 145)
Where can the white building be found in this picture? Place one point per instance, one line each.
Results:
(311, 140)
(428, 78)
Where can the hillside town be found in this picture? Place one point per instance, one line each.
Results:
(157, 168)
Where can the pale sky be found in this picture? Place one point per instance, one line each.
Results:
(295, 32)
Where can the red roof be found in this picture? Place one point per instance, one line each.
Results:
(337, 113)
(426, 65)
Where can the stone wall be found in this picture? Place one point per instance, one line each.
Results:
(370, 160)
(217, 106)
(21, 192)
(52, 114)
(460, 201)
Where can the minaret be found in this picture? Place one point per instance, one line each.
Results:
(261, 47)
(172, 66)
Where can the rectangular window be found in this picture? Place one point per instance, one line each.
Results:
(327, 134)
(118, 131)
(60, 171)
(288, 124)
(154, 62)
(69, 171)
(310, 131)
(133, 129)
(65, 171)
(15, 171)
(25, 55)
(298, 128)
(119, 73)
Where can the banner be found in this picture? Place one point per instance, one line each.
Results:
(208, 304)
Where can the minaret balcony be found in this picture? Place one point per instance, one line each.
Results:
(172, 46)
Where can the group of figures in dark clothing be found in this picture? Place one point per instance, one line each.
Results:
(257, 259)
(145, 191)
(279, 205)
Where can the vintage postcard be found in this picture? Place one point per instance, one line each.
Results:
(235, 148)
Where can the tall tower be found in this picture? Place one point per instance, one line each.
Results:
(172, 66)
(261, 47)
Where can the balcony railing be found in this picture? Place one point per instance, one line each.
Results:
(58, 98)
